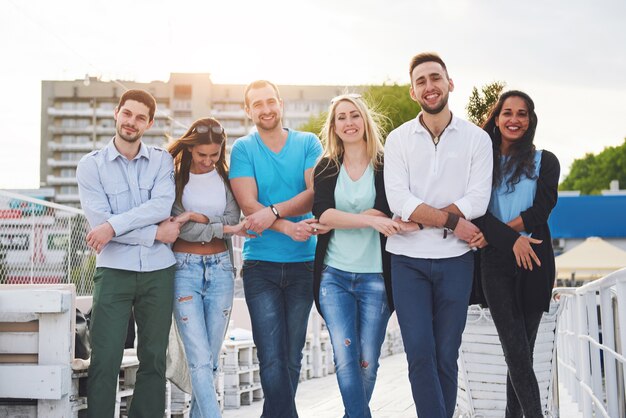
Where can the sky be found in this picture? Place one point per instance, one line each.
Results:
(570, 56)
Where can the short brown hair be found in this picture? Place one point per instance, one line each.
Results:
(140, 96)
(426, 57)
(257, 84)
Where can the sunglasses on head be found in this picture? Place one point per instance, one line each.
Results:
(214, 129)
(345, 96)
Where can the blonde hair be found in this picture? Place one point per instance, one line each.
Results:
(333, 145)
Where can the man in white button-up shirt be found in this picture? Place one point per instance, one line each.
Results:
(438, 175)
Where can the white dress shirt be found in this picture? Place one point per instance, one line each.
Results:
(456, 171)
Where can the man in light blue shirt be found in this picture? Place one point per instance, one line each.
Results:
(127, 191)
(271, 177)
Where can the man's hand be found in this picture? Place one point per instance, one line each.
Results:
(100, 236)
(260, 220)
(465, 230)
(239, 229)
(301, 231)
(524, 253)
(168, 230)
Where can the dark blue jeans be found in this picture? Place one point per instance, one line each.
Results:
(279, 297)
(431, 297)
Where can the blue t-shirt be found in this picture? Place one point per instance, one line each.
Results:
(506, 204)
(279, 177)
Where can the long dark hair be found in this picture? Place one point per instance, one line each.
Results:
(182, 157)
(521, 161)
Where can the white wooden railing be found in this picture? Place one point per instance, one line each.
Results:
(591, 345)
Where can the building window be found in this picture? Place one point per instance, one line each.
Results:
(71, 156)
(69, 189)
(68, 173)
(182, 91)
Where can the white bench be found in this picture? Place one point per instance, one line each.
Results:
(37, 346)
(483, 370)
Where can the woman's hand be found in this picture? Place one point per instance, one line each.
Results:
(478, 241)
(239, 229)
(320, 228)
(384, 225)
(524, 253)
(406, 227)
(191, 216)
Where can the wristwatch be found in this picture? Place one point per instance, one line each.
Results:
(275, 211)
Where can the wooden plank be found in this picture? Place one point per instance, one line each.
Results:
(19, 358)
(35, 300)
(30, 326)
(19, 342)
(34, 381)
(56, 338)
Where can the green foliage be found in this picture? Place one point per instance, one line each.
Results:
(315, 124)
(593, 173)
(394, 103)
(481, 102)
(391, 101)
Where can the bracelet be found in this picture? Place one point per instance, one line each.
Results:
(275, 211)
(452, 221)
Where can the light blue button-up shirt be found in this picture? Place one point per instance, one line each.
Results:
(133, 197)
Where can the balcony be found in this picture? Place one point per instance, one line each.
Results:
(53, 111)
(236, 132)
(56, 129)
(59, 163)
(66, 198)
(60, 181)
(228, 114)
(57, 146)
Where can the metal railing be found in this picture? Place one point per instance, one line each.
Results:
(43, 242)
(592, 345)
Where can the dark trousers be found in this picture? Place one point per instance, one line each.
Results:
(517, 328)
(431, 297)
(150, 296)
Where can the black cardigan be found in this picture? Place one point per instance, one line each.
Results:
(325, 181)
(536, 286)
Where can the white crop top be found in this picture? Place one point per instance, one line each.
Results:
(205, 194)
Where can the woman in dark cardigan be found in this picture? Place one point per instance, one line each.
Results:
(517, 262)
(352, 287)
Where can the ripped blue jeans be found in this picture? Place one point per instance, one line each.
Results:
(203, 298)
(355, 309)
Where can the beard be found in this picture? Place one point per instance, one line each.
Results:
(438, 108)
(268, 126)
(128, 138)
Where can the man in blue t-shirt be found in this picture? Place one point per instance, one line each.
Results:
(271, 176)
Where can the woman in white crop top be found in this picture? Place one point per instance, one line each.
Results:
(204, 281)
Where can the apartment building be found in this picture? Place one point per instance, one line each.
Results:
(77, 117)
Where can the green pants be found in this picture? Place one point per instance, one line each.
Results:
(150, 295)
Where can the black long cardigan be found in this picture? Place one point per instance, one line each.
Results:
(325, 181)
(536, 285)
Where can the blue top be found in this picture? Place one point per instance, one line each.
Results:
(279, 177)
(133, 197)
(506, 204)
(355, 250)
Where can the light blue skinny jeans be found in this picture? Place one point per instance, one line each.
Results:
(356, 312)
(203, 299)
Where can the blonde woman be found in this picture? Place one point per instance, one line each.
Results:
(352, 283)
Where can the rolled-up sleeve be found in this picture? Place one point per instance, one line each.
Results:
(475, 201)
(396, 173)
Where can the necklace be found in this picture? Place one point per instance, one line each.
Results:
(434, 137)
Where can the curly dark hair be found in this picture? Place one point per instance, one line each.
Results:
(521, 161)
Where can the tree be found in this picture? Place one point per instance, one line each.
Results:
(391, 101)
(481, 102)
(593, 173)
